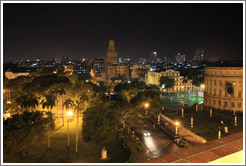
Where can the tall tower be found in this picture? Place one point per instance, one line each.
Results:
(112, 57)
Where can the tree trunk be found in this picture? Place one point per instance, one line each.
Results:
(57, 110)
(77, 133)
(23, 154)
(109, 95)
(62, 113)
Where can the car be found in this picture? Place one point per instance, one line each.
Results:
(146, 134)
(179, 142)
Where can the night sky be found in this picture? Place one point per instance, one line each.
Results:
(44, 31)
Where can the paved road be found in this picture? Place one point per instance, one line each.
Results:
(159, 143)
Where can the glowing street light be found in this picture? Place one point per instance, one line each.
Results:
(69, 113)
(146, 105)
(176, 128)
(191, 122)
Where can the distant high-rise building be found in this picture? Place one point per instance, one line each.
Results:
(154, 56)
(165, 59)
(180, 58)
(98, 67)
(199, 55)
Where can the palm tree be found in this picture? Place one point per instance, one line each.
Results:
(27, 101)
(83, 98)
(59, 91)
(49, 101)
(68, 103)
(197, 81)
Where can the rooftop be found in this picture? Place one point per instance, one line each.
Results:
(208, 152)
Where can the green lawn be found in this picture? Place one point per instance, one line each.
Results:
(206, 126)
(177, 102)
(59, 153)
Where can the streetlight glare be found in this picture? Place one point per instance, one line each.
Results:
(177, 123)
(69, 113)
(146, 105)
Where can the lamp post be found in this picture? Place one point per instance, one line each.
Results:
(234, 111)
(146, 105)
(182, 115)
(235, 121)
(69, 113)
(219, 134)
(77, 132)
(211, 112)
(191, 122)
(159, 118)
(176, 128)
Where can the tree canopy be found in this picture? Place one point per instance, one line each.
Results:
(168, 82)
(24, 131)
(100, 124)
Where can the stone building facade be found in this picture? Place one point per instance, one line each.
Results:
(109, 68)
(139, 71)
(216, 80)
(154, 77)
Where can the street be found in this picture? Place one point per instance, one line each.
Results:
(158, 142)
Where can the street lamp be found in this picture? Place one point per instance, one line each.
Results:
(146, 105)
(176, 128)
(69, 113)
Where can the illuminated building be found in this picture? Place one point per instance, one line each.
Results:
(154, 77)
(68, 68)
(224, 88)
(98, 67)
(109, 68)
(118, 71)
(11, 75)
(139, 71)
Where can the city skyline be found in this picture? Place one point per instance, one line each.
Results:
(82, 30)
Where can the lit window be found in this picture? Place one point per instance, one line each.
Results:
(214, 82)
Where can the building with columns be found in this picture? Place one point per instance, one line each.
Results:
(217, 82)
(154, 77)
